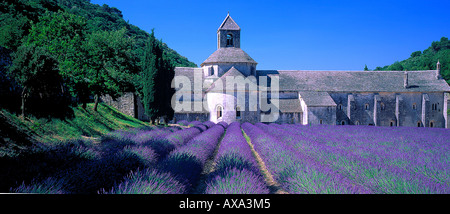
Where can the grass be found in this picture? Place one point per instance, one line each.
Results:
(17, 134)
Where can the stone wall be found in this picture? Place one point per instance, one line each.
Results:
(289, 117)
(322, 115)
(390, 109)
(125, 103)
(129, 104)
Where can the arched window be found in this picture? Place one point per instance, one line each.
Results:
(219, 112)
(321, 121)
(391, 123)
(382, 106)
(414, 106)
(419, 124)
(431, 124)
(340, 106)
(238, 112)
(229, 40)
(366, 106)
(343, 122)
(357, 123)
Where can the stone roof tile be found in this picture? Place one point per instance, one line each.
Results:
(317, 98)
(357, 81)
(288, 105)
(229, 55)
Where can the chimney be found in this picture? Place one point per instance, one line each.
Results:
(438, 70)
(405, 79)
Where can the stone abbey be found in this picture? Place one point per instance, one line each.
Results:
(379, 98)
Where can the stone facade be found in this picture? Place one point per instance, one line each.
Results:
(391, 109)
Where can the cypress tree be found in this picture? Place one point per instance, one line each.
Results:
(158, 73)
(148, 80)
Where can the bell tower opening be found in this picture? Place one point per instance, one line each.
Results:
(229, 40)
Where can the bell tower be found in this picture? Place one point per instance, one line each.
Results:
(229, 34)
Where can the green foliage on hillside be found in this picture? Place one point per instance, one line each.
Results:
(97, 52)
(16, 17)
(426, 60)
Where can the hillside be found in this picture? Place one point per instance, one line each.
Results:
(425, 60)
(17, 16)
(18, 134)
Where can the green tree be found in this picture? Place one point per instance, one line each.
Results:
(111, 63)
(397, 66)
(416, 54)
(149, 72)
(36, 70)
(165, 90)
(158, 72)
(13, 29)
(365, 68)
(63, 35)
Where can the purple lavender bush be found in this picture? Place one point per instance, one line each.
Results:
(296, 172)
(46, 186)
(236, 171)
(367, 162)
(165, 143)
(148, 181)
(146, 154)
(209, 124)
(183, 122)
(187, 162)
(194, 123)
(237, 181)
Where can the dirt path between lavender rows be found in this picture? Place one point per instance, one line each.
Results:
(273, 186)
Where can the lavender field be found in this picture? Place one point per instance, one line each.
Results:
(208, 158)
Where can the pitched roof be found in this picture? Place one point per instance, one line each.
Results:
(349, 81)
(288, 105)
(230, 55)
(317, 98)
(229, 24)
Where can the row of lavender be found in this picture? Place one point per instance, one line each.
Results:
(424, 151)
(237, 170)
(90, 166)
(295, 171)
(381, 160)
(170, 162)
(418, 157)
(180, 170)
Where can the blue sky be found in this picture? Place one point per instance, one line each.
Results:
(297, 35)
